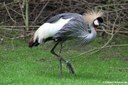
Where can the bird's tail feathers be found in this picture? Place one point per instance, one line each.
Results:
(33, 42)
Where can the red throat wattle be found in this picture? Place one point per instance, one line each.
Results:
(95, 27)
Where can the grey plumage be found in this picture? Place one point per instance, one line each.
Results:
(75, 16)
(73, 30)
(76, 28)
(67, 26)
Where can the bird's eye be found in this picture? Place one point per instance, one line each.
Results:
(96, 22)
(100, 19)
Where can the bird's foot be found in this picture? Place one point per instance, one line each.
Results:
(69, 66)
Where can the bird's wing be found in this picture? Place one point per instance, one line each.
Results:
(54, 18)
(73, 29)
(63, 15)
(66, 16)
(74, 16)
(76, 28)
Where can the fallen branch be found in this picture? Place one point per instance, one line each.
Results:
(99, 48)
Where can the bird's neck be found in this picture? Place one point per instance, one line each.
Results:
(93, 32)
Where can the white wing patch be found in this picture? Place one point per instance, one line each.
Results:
(49, 29)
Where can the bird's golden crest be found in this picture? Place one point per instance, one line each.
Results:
(90, 16)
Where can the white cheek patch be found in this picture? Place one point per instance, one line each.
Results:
(96, 22)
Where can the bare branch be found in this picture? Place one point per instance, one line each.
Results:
(9, 13)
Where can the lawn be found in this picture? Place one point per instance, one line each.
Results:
(20, 65)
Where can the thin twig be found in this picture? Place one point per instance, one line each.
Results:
(4, 27)
(15, 11)
(23, 15)
(26, 15)
(9, 13)
(107, 5)
(99, 48)
(41, 12)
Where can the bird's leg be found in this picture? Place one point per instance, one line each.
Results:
(61, 45)
(59, 57)
(69, 66)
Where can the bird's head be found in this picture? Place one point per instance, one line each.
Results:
(94, 18)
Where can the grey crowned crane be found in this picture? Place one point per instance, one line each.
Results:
(67, 26)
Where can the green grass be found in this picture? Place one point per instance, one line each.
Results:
(20, 65)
